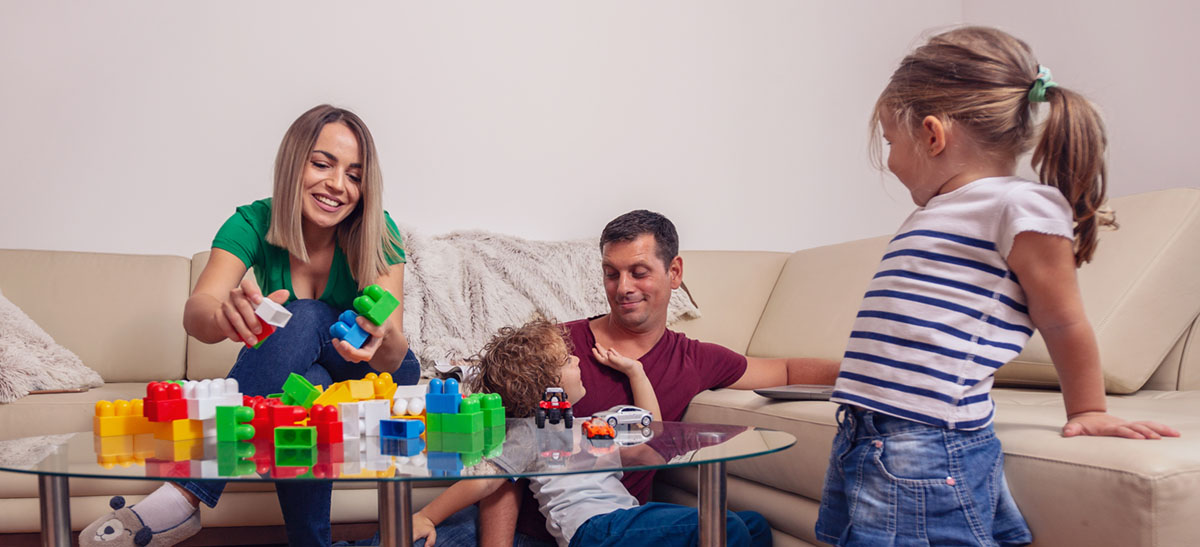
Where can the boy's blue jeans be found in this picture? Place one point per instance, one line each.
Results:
(303, 347)
(896, 482)
(667, 524)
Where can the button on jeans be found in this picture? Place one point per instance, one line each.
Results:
(303, 347)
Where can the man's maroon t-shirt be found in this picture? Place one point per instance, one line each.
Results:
(678, 367)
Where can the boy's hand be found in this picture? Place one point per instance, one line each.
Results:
(424, 528)
(1102, 424)
(610, 358)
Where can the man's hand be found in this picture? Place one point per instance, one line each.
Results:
(1102, 424)
(424, 528)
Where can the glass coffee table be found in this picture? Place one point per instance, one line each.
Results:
(394, 464)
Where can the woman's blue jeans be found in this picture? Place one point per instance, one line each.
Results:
(303, 347)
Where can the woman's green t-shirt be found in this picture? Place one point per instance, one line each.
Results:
(245, 235)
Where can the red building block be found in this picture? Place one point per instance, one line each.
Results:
(164, 402)
(285, 415)
(325, 419)
(262, 416)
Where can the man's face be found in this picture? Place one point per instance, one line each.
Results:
(638, 284)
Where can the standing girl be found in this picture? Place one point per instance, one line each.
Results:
(314, 245)
(986, 258)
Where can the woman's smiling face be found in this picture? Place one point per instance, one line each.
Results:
(331, 177)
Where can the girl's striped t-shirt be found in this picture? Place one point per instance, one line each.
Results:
(944, 312)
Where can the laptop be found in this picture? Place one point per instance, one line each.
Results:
(797, 392)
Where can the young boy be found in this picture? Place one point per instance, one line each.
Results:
(580, 509)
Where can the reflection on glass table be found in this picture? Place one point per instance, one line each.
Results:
(393, 463)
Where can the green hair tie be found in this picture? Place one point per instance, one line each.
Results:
(1037, 93)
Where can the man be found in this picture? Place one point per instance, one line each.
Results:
(642, 266)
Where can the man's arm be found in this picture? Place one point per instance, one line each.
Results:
(793, 370)
(498, 514)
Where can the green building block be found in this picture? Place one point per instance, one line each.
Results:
(493, 441)
(462, 443)
(295, 457)
(471, 458)
(433, 422)
(231, 458)
(493, 410)
(376, 304)
(298, 391)
(295, 437)
(231, 423)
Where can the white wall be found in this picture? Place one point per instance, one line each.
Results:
(138, 126)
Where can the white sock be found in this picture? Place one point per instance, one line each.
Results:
(164, 508)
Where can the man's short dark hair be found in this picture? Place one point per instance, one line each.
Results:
(633, 224)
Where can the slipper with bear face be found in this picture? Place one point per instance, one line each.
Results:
(123, 527)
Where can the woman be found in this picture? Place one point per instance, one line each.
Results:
(314, 245)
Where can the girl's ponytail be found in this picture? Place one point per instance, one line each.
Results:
(1070, 157)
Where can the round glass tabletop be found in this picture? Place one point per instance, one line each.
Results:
(519, 449)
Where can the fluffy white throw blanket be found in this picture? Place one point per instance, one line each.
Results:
(460, 288)
(31, 360)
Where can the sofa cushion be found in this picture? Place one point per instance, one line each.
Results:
(731, 289)
(132, 306)
(53, 413)
(209, 360)
(1144, 489)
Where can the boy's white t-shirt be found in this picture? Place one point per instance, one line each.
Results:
(944, 311)
(567, 501)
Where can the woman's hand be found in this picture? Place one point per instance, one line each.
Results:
(236, 318)
(610, 358)
(378, 333)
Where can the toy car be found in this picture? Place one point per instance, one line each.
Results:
(554, 406)
(625, 415)
(598, 429)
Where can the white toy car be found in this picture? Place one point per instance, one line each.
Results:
(625, 415)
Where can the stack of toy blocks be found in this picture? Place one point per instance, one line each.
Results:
(165, 406)
(119, 418)
(455, 427)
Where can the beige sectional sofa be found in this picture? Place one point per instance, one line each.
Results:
(122, 315)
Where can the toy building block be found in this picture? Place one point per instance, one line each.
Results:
(285, 416)
(234, 459)
(346, 328)
(266, 330)
(462, 443)
(298, 391)
(295, 446)
(469, 418)
(179, 430)
(163, 469)
(325, 420)
(187, 449)
(372, 413)
(376, 304)
(351, 422)
(262, 416)
(361, 390)
(294, 471)
(493, 441)
(164, 402)
(443, 397)
(120, 418)
(407, 448)
(272, 313)
(492, 408)
(383, 385)
(123, 450)
(232, 423)
(408, 400)
(205, 396)
(400, 429)
(373, 457)
(444, 464)
(336, 394)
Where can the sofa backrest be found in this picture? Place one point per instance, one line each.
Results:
(730, 288)
(121, 314)
(1142, 294)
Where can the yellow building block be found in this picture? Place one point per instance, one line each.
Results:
(178, 451)
(384, 386)
(123, 450)
(361, 390)
(179, 430)
(336, 394)
(114, 418)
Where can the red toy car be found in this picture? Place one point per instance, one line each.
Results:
(598, 429)
(554, 406)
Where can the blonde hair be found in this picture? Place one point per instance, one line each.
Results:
(363, 235)
(980, 78)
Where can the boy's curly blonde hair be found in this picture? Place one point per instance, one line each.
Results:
(520, 363)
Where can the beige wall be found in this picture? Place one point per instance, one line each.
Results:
(139, 126)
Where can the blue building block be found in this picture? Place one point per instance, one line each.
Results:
(347, 329)
(444, 464)
(400, 429)
(401, 447)
(443, 397)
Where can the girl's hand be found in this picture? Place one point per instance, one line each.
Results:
(1102, 424)
(423, 528)
(367, 351)
(236, 318)
(610, 358)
